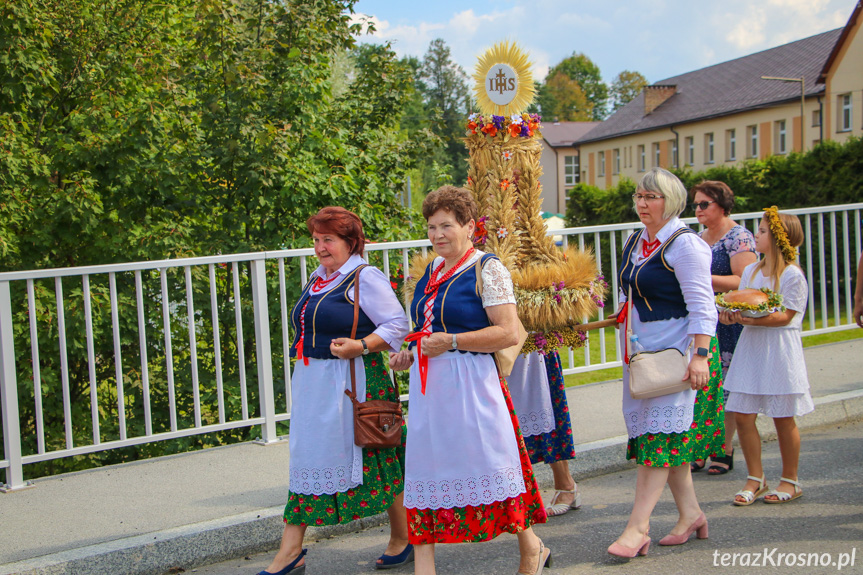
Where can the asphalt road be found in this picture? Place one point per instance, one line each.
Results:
(824, 526)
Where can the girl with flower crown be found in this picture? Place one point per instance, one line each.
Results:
(767, 373)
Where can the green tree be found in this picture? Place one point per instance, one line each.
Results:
(135, 130)
(582, 69)
(625, 87)
(447, 98)
(561, 99)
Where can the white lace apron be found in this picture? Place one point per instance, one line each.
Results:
(531, 396)
(324, 459)
(461, 445)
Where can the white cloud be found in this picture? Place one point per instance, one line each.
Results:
(748, 30)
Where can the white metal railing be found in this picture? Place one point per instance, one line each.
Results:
(161, 346)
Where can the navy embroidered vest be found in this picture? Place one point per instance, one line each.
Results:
(656, 292)
(457, 307)
(329, 315)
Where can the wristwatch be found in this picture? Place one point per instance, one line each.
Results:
(365, 347)
(702, 351)
(454, 342)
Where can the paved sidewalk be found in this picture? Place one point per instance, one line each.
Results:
(825, 522)
(204, 507)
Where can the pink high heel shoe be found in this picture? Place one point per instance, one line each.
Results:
(619, 550)
(699, 526)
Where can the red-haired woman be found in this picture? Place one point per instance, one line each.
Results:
(332, 480)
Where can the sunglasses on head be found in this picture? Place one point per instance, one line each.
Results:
(702, 205)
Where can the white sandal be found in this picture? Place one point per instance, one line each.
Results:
(556, 509)
(782, 496)
(748, 496)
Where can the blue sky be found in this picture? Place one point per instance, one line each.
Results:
(659, 38)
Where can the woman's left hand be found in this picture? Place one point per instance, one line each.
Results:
(346, 348)
(698, 372)
(436, 343)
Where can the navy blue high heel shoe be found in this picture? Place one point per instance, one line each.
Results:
(391, 561)
(291, 567)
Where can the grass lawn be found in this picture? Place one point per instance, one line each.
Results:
(617, 372)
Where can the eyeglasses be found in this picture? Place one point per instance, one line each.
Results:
(702, 205)
(647, 197)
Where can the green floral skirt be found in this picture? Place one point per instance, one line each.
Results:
(709, 417)
(383, 471)
(705, 438)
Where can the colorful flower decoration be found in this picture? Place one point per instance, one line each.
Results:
(502, 232)
(507, 155)
(789, 252)
(516, 126)
(547, 342)
(480, 234)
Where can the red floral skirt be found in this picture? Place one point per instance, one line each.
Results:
(482, 522)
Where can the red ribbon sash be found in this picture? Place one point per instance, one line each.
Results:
(423, 358)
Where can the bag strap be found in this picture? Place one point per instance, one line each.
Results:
(478, 268)
(628, 326)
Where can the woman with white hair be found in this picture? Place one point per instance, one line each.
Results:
(667, 268)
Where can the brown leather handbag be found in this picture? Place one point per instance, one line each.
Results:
(377, 423)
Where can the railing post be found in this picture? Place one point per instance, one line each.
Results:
(263, 352)
(9, 395)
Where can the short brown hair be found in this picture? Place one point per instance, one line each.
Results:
(719, 192)
(457, 201)
(338, 221)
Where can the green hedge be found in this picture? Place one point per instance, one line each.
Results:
(830, 174)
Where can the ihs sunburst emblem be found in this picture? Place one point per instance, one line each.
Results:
(504, 83)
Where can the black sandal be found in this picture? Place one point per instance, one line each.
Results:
(725, 460)
(694, 466)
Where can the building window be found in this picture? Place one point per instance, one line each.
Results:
(781, 137)
(708, 148)
(642, 158)
(675, 157)
(731, 143)
(570, 171)
(656, 155)
(816, 117)
(752, 131)
(602, 163)
(615, 168)
(690, 150)
(844, 123)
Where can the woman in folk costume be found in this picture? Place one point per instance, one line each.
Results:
(667, 268)
(468, 476)
(332, 480)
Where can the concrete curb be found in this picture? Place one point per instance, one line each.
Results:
(208, 542)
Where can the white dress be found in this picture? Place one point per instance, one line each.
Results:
(690, 257)
(461, 445)
(768, 372)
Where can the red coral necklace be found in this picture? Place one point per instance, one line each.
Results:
(648, 248)
(435, 283)
(321, 283)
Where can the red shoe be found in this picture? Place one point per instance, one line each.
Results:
(699, 526)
